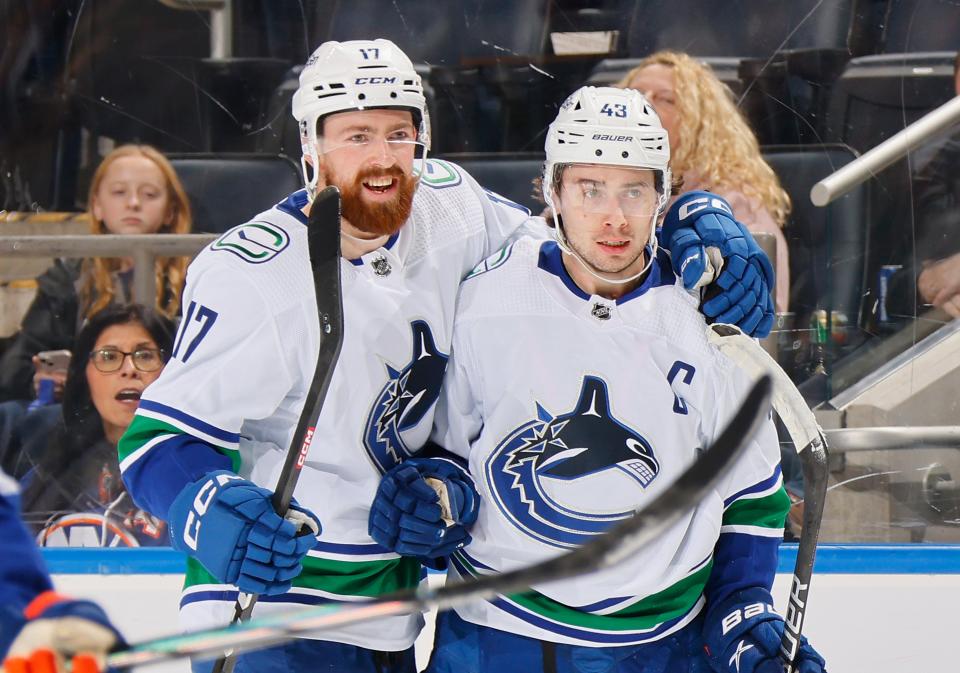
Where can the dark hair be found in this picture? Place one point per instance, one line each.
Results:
(78, 409)
(59, 475)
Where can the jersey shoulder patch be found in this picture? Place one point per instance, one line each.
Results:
(499, 258)
(254, 242)
(440, 174)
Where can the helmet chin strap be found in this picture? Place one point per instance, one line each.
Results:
(567, 248)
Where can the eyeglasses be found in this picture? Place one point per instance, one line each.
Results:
(109, 360)
(593, 197)
(361, 144)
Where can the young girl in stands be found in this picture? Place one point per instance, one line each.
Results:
(73, 492)
(134, 191)
(713, 148)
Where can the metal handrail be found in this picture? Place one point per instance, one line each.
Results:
(143, 248)
(844, 440)
(866, 166)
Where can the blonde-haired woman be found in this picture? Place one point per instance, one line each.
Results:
(134, 190)
(712, 148)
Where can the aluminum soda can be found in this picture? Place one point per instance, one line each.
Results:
(883, 284)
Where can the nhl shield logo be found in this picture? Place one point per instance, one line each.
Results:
(410, 392)
(545, 475)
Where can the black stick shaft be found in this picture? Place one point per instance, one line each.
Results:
(323, 240)
(815, 473)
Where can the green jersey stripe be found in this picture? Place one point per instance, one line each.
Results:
(143, 429)
(767, 512)
(343, 578)
(674, 601)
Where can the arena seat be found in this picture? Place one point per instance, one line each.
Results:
(828, 246)
(745, 28)
(509, 174)
(228, 189)
(921, 25)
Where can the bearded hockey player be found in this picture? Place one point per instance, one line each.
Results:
(580, 383)
(42, 631)
(210, 436)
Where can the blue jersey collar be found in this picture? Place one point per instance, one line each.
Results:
(661, 273)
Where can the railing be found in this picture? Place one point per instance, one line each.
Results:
(143, 248)
(863, 168)
(221, 22)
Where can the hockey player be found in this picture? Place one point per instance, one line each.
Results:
(580, 384)
(40, 630)
(210, 435)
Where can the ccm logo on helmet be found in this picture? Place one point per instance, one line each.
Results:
(606, 136)
(375, 80)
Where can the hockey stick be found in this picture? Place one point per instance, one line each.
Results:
(811, 445)
(323, 242)
(616, 544)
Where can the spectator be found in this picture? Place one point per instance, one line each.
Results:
(134, 191)
(713, 148)
(936, 248)
(73, 489)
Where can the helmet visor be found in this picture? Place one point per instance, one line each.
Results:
(603, 190)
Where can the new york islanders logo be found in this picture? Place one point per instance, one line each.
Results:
(408, 395)
(548, 475)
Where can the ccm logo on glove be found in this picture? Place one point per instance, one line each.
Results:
(201, 503)
(694, 205)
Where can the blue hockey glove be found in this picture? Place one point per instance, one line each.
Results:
(742, 635)
(229, 525)
(414, 518)
(700, 231)
(59, 630)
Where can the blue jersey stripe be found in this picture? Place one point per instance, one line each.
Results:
(190, 421)
(350, 549)
(764, 485)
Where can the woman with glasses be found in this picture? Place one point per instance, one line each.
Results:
(73, 493)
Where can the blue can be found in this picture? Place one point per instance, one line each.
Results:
(883, 283)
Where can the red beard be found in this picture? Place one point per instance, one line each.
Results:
(378, 219)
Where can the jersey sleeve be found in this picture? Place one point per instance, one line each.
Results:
(505, 220)
(754, 507)
(458, 419)
(227, 365)
(22, 574)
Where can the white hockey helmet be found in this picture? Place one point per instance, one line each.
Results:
(356, 75)
(610, 127)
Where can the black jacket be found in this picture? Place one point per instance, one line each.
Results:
(50, 323)
(937, 221)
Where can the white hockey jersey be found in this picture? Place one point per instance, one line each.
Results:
(573, 410)
(243, 361)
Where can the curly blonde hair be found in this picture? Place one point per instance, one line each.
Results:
(717, 144)
(97, 291)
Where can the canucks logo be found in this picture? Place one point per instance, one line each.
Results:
(405, 399)
(254, 242)
(545, 476)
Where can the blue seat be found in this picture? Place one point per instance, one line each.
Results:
(509, 174)
(228, 189)
(828, 246)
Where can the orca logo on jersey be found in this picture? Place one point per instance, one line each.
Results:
(406, 398)
(545, 475)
